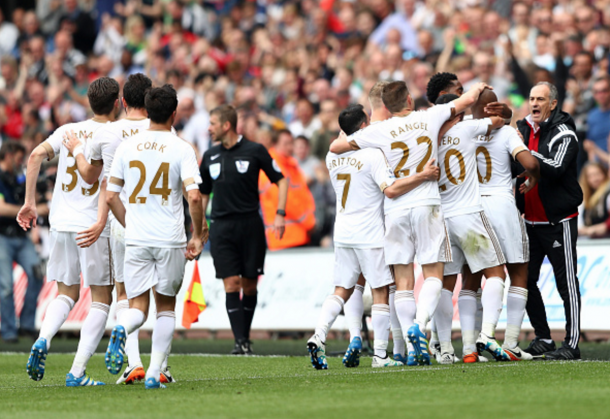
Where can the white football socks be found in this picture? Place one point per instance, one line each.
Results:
(491, 299)
(132, 344)
(404, 302)
(162, 336)
(429, 296)
(330, 310)
(56, 314)
(467, 306)
(444, 319)
(354, 310)
(90, 335)
(434, 329)
(380, 314)
(478, 319)
(398, 340)
(515, 311)
(131, 319)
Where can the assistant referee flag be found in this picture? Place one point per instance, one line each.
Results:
(194, 302)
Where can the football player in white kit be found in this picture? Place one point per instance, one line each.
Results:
(495, 153)
(359, 231)
(414, 222)
(102, 148)
(76, 223)
(473, 240)
(154, 167)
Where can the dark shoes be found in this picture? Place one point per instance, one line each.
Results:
(565, 353)
(242, 347)
(538, 347)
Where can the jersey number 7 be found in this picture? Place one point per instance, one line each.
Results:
(162, 174)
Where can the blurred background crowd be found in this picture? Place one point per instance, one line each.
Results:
(290, 66)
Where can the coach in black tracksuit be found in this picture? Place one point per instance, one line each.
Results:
(237, 235)
(551, 211)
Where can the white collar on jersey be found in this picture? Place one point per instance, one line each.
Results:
(239, 138)
(530, 121)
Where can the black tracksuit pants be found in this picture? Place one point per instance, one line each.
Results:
(558, 242)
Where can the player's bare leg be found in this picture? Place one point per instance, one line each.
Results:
(90, 335)
(381, 326)
(515, 311)
(56, 314)
(354, 311)
(331, 308)
(404, 303)
(443, 317)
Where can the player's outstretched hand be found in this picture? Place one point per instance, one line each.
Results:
(279, 226)
(193, 248)
(499, 109)
(431, 170)
(528, 185)
(27, 216)
(71, 141)
(89, 236)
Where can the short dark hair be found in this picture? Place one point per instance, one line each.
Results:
(135, 89)
(11, 147)
(438, 83)
(102, 93)
(303, 138)
(449, 97)
(226, 113)
(160, 103)
(395, 96)
(352, 118)
(277, 133)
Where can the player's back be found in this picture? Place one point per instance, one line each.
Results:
(458, 184)
(494, 157)
(408, 142)
(358, 178)
(74, 203)
(154, 166)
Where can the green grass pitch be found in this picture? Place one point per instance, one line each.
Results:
(212, 386)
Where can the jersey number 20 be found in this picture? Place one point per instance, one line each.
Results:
(162, 174)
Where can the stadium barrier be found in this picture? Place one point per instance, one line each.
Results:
(297, 281)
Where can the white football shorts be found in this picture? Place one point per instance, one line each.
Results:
(473, 242)
(158, 267)
(350, 262)
(117, 246)
(417, 231)
(509, 227)
(67, 260)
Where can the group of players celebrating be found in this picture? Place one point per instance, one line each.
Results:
(139, 169)
(395, 204)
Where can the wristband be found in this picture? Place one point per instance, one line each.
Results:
(527, 183)
(281, 212)
(79, 149)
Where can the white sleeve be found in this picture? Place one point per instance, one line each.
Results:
(438, 115)
(365, 141)
(109, 148)
(381, 171)
(117, 175)
(514, 144)
(55, 141)
(189, 170)
(95, 145)
(478, 126)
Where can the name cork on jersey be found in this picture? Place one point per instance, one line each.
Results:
(75, 202)
(408, 142)
(459, 183)
(359, 178)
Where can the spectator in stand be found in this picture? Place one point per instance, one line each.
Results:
(307, 162)
(598, 119)
(484, 69)
(306, 122)
(329, 129)
(80, 24)
(399, 20)
(192, 125)
(595, 210)
(8, 36)
(300, 207)
(580, 100)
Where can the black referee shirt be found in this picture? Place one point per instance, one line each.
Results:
(233, 177)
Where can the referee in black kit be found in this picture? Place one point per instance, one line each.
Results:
(237, 234)
(550, 209)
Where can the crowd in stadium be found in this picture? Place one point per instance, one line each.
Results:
(290, 67)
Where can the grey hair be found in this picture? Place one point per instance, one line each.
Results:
(553, 94)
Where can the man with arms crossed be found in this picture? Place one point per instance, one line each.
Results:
(154, 167)
(77, 221)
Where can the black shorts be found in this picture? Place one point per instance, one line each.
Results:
(238, 246)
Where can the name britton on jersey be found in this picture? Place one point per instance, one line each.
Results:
(345, 161)
(409, 127)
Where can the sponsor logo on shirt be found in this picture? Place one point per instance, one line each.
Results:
(214, 157)
(215, 170)
(242, 165)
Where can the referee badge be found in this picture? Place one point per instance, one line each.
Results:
(242, 165)
(215, 170)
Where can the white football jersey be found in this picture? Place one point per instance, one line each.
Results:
(153, 166)
(74, 203)
(359, 178)
(408, 142)
(494, 157)
(457, 158)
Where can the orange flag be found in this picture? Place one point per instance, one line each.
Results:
(194, 303)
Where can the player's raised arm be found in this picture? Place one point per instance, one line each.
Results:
(27, 215)
(89, 172)
(469, 98)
